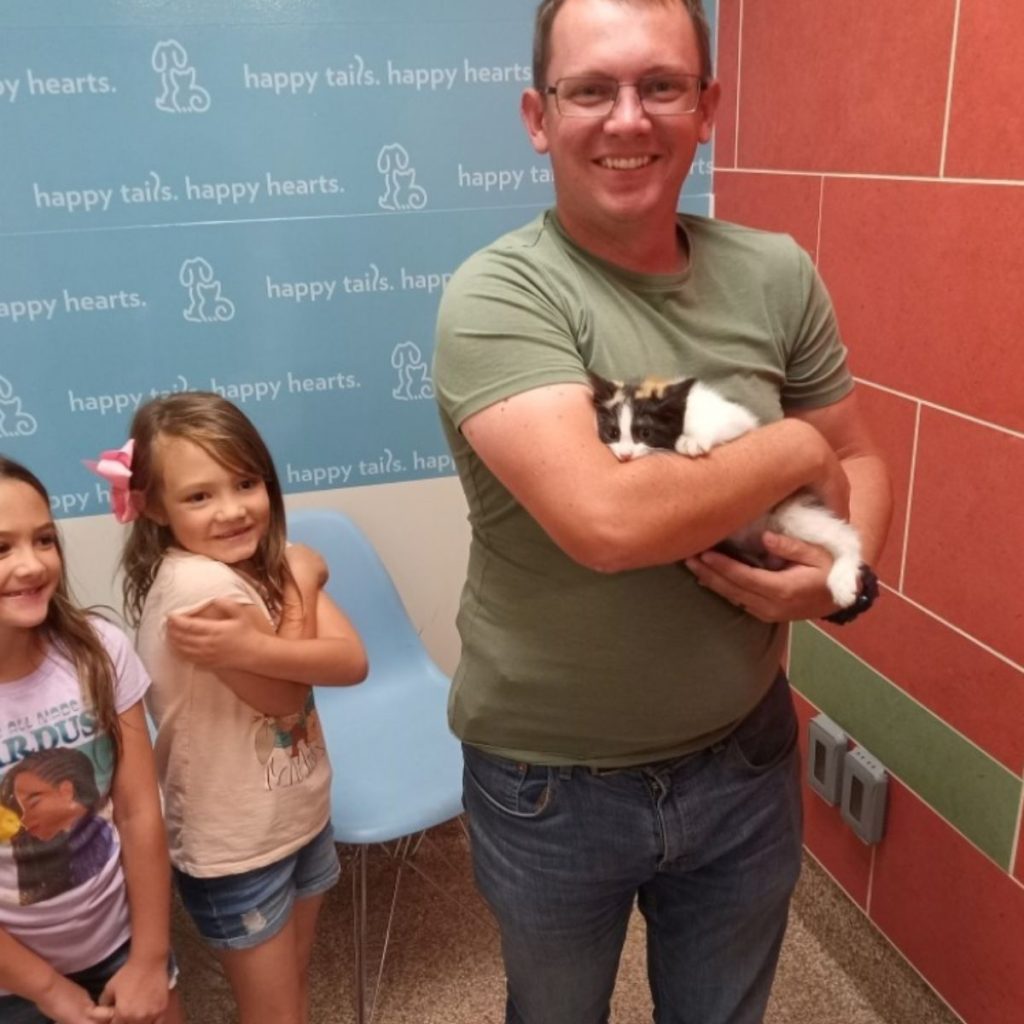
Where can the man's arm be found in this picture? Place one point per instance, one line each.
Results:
(799, 591)
(543, 446)
(842, 425)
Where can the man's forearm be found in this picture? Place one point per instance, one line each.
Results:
(723, 491)
(870, 502)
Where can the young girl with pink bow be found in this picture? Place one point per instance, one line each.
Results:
(235, 628)
(84, 878)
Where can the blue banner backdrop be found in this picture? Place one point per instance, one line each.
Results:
(262, 199)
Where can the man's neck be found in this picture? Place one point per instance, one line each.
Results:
(641, 250)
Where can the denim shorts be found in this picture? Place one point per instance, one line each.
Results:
(245, 910)
(15, 1010)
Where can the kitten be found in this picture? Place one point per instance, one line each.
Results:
(690, 417)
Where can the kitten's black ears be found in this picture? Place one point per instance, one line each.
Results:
(678, 391)
(603, 388)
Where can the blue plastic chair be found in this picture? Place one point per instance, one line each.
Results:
(397, 767)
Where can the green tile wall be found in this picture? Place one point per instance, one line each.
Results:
(973, 792)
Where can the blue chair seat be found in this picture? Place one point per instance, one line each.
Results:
(397, 769)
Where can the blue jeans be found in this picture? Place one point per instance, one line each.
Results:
(708, 844)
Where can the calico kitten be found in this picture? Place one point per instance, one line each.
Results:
(690, 417)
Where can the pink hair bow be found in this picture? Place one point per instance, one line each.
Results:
(115, 466)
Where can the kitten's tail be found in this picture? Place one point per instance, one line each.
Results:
(804, 518)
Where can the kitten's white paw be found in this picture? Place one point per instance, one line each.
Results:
(691, 446)
(843, 583)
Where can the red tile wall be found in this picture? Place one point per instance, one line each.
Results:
(986, 125)
(889, 141)
(951, 912)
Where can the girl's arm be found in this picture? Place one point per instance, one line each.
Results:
(309, 575)
(31, 977)
(139, 990)
(209, 638)
(234, 641)
(315, 642)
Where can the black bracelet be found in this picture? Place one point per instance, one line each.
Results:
(862, 602)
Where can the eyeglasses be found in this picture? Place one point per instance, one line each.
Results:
(659, 95)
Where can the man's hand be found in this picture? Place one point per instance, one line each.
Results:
(799, 591)
(216, 636)
(68, 1003)
(136, 994)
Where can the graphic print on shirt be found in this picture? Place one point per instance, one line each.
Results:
(290, 747)
(54, 808)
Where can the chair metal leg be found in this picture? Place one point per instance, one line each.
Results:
(359, 932)
(403, 856)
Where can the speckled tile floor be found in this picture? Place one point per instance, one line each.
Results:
(444, 965)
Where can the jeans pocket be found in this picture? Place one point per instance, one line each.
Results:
(767, 736)
(511, 787)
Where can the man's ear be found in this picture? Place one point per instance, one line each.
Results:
(709, 98)
(533, 111)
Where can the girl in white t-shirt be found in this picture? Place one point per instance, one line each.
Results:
(234, 628)
(84, 878)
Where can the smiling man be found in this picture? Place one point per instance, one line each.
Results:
(628, 734)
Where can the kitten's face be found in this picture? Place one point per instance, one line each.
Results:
(637, 419)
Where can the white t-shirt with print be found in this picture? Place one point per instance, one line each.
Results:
(62, 891)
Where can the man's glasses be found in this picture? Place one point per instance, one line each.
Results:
(659, 95)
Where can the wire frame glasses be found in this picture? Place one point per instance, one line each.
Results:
(595, 96)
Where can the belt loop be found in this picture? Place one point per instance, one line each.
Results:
(565, 771)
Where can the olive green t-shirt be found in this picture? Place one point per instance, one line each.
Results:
(561, 664)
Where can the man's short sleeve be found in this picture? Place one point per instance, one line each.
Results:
(505, 326)
(816, 370)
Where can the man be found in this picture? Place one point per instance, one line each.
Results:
(627, 733)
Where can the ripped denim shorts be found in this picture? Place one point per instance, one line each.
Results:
(245, 910)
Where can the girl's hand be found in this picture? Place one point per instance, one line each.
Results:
(136, 994)
(214, 637)
(68, 1003)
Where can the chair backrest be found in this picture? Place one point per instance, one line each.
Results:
(362, 587)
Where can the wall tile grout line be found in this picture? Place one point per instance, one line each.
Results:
(949, 90)
(821, 210)
(1006, 659)
(869, 896)
(871, 176)
(910, 496)
(1015, 848)
(943, 408)
(739, 80)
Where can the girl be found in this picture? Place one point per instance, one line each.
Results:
(235, 628)
(73, 885)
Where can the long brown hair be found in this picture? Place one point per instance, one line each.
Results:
(227, 435)
(68, 629)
